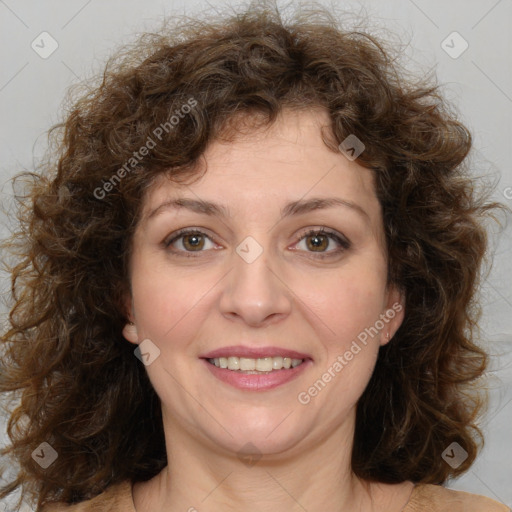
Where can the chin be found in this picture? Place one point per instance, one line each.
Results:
(265, 437)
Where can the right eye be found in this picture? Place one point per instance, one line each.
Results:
(188, 241)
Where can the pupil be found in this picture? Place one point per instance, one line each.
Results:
(193, 241)
(318, 241)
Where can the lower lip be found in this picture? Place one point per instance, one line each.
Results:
(255, 382)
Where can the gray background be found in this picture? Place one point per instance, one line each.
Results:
(478, 82)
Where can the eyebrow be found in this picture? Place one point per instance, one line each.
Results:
(298, 207)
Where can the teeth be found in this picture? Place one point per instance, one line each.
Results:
(277, 363)
(233, 363)
(247, 364)
(263, 364)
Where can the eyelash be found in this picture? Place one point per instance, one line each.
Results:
(344, 243)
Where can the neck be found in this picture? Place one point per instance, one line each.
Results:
(201, 476)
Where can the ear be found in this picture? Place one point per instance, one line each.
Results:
(130, 333)
(130, 329)
(393, 315)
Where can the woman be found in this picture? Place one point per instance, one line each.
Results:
(247, 283)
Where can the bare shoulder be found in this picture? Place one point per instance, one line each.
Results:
(116, 498)
(436, 498)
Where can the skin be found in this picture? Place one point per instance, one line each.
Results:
(288, 297)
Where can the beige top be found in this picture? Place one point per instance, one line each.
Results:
(424, 498)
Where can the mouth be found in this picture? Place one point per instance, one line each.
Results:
(256, 369)
(252, 366)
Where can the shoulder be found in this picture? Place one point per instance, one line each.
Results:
(117, 497)
(435, 498)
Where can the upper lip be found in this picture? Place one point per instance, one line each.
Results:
(254, 353)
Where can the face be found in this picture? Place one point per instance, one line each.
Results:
(283, 255)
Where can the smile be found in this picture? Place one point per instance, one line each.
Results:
(241, 375)
(255, 366)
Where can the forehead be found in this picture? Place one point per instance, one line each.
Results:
(258, 168)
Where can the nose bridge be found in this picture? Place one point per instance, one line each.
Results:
(253, 291)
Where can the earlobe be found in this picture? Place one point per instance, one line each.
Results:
(394, 314)
(130, 333)
(129, 330)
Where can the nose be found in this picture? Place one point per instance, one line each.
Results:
(254, 293)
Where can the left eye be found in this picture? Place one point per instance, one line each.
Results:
(318, 241)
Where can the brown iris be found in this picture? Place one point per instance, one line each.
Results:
(197, 241)
(319, 242)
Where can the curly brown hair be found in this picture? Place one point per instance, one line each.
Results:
(79, 386)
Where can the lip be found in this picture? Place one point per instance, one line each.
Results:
(254, 353)
(255, 382)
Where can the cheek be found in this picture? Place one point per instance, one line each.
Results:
(349, 305)
(347, 302)
(166, 303)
